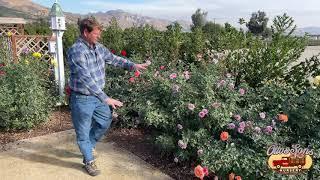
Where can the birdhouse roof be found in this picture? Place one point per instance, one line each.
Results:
(56, 10)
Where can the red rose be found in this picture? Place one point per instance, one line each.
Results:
(205, 171)
(113, 51)
(2, 73)
(137, 74)
(123, 53)
(68, 90)
(131, 80)
(2, 65)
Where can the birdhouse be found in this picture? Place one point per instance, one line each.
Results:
(58, 26)
(57, 21)
(52, 44)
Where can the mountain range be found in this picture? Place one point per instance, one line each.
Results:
(309, 30)
(31, 11)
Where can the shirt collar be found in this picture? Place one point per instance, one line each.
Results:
(86, 43)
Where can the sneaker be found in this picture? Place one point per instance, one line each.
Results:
(94, 153)
(92, 168)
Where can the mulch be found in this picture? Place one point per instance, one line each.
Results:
(137, 141)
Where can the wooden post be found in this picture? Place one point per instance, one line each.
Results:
(14, 49)
(21, 29)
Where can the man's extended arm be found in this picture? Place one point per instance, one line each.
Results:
(118, 61)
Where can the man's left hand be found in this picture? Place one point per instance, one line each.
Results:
(139, 67)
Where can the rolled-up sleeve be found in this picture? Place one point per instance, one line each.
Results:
(118, 61)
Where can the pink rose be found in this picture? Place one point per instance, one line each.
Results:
(173, 76)
(131, 80)
(237, 117)
(202, 114)
(182, 145)
(216, 105)
(162, 67)
(191, 106)
(205, 111)
(186, 75)
(200, 152)
(262, 115)
(148, 62)
(242, 91)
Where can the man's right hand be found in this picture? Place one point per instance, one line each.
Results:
(114, 103)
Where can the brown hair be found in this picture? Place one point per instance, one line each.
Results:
(88, 23)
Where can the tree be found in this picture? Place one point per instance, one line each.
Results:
(258, 23)
(198, 19)
(283, 24)
(112, 36)
(212, 28)
(70, 35)
(173, 41)
(38, 27)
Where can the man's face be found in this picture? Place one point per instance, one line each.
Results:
(93, 36)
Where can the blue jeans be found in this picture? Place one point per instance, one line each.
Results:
(91, 118)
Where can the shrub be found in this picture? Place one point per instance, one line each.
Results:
(304, 122)
(260, 60)
(221, 110)
(24, 94)
(201, 116)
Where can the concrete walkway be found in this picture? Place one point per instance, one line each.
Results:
(56, 157)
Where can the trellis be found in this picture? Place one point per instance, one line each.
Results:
(14, 43)
(30, 43)
(13, 25)
(12, 28)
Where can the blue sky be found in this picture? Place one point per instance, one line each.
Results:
(305, 13)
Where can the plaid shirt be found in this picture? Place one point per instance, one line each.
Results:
(87, 67)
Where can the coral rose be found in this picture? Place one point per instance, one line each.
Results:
(224, 136)
(198, 171)
(283, 117)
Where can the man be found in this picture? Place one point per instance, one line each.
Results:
(90, 112)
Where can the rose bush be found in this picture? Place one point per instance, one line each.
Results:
(202, 115)
(217, 103)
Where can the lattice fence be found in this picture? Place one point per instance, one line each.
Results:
(30, 43)
(16, 43)
(15, 29)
